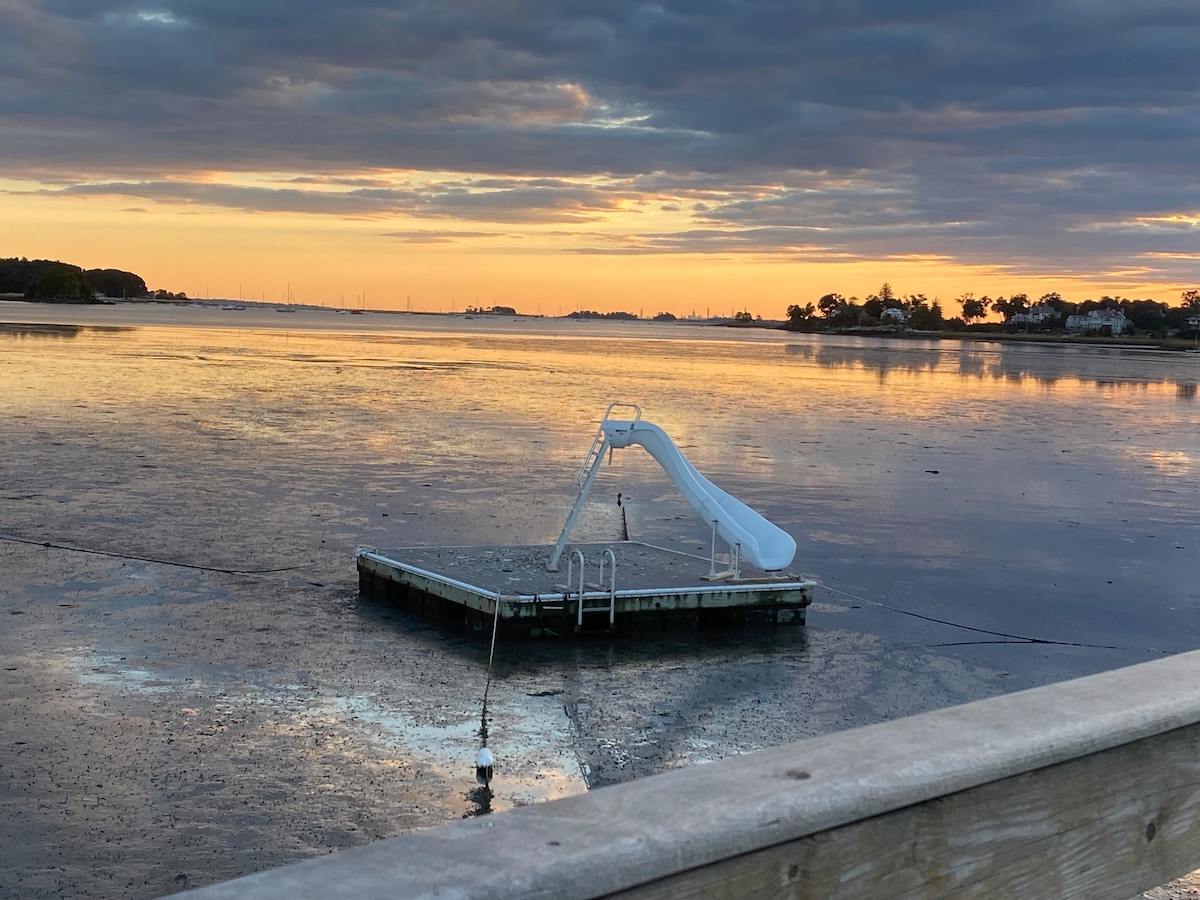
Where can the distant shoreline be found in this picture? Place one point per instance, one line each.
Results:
(1167, 345)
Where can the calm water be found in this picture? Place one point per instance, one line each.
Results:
(1039, 491)
(951, 498)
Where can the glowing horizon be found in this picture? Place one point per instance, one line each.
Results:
(395, 264)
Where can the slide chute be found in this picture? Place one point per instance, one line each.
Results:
(761, 542)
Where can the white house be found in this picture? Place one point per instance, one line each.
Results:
(895, 314)
(1098, 321)
(1035, 315)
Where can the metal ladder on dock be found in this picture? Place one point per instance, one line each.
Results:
(585, 605)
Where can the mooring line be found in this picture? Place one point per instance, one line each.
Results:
(484, 759)
(162, 562)
(1010, 638)
(483, 729)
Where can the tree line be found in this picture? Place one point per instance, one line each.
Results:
(1049, 313)
(49, 279)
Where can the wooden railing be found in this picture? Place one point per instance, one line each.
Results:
(1088, 788)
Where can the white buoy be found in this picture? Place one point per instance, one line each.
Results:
(484, 766)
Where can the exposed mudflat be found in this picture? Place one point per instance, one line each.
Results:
(165, 727)
(191, 688)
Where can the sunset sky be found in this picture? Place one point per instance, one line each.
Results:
(688, 155)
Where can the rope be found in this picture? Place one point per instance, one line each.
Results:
(162, 562)
(1009, 638)
(483, 728)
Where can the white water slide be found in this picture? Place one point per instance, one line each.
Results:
(761, 542)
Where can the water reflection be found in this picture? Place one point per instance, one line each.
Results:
(454, 437)
(38, 330)
(481, 802)
(1044, 365)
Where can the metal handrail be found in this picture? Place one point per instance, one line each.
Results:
(597, 448)
(612, 584)
(570, 567)
(637, 410)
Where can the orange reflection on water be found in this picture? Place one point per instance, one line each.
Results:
(490, 394)
(1174, 463)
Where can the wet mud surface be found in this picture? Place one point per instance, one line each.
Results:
(165, 727)
(192, 689)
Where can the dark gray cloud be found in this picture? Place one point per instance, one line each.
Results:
(481, 200)
(1045, 135)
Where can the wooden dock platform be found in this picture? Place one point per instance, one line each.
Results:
(626, 587)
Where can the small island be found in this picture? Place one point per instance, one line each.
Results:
(52, 281)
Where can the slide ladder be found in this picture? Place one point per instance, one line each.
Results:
(587, 474)
(595, 454)
(749, 534)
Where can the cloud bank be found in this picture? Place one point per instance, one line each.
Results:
(1056, 136)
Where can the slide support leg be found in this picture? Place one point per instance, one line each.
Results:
(712, 556)
(585, 487)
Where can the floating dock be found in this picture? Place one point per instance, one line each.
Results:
(625, 587)
(604, 587)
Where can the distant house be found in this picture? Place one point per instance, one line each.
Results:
(1035, 315)
(1098, 321)
(895, 314)
(1193, 323)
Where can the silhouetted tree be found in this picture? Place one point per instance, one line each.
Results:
(1017, 303)
(972, 307)
(115, 283)
(829, 303)
(926, 316)
(800, 315)
(62, 282)
(1149, 316)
